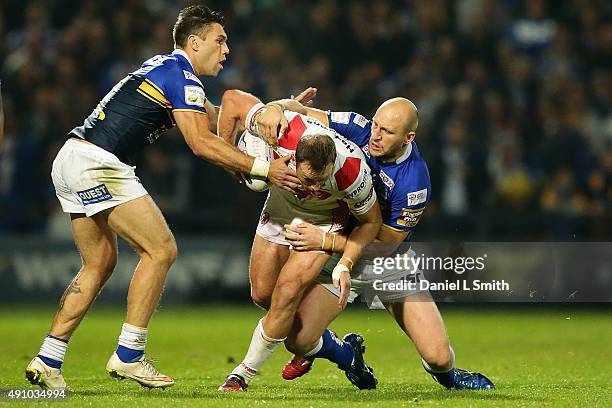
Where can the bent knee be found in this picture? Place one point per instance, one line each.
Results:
(300, 344)
(438, 356)
(164, 253)
(261, 298)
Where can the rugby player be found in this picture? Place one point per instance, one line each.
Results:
(401, 181)
(336, 182)
(99, 189)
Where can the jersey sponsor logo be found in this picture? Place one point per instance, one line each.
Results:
(348, 173)
(365, 200)
(94, 195)
(386, 179)
(417, 197)
(360, 120)
(194, 95)
(410, 217)
(355, 192)
(191, 76)
(293, 134)
(342, 118)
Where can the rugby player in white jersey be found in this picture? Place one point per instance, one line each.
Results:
(401, 180)
(336, 182)
(99, 189)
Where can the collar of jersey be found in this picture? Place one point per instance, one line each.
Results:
(406, 154)
(183, 54)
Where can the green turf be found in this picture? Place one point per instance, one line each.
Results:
(536, 357)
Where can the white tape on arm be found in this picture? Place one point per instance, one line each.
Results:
(338, 270)
(260, 168)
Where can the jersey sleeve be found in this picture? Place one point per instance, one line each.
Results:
(407, 204)
(351, 125)
(355, 181)
(182, 88)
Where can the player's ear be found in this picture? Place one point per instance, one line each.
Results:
(410, 137)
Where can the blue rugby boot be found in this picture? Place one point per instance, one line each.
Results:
(459, 379)
(358, 372)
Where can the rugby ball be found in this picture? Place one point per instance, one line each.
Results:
(254, 146)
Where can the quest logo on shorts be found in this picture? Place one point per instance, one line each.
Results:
(94, 195)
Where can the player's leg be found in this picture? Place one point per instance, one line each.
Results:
(267, 259)
(142, 225)
(97, 244)
(310, 339)
(420, 319)
(295, 277)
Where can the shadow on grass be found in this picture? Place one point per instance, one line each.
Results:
(394, 392)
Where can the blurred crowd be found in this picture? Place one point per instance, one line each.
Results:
(514, 97)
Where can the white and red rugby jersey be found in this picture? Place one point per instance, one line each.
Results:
(350, 184)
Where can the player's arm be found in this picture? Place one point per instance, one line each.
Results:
(195, 129)
(368, 224)
(308, 237)
(213, 113)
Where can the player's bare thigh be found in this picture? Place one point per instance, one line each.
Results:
(318, 308)
(142, 225)
(267, 260)
(96, 242)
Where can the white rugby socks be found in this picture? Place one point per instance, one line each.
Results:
(260, 350)
(52, 351)
(132, 342)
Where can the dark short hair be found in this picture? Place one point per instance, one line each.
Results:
(318, 150)
(193, 20)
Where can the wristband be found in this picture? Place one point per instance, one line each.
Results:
(339, 269)
(333, 242)
(323, 243)
(349, 260)
(260, 168)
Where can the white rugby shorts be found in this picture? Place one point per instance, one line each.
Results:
(89, 179)
(363, 283)
(277, 212)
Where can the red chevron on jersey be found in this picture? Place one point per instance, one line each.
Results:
(293, 134)
(348, 173)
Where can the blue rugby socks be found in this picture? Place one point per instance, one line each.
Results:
(52, 351)
(333, 349)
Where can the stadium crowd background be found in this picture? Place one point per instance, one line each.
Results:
(515, 102)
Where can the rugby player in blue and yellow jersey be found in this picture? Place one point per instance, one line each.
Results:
(401, 181)
(99, 189)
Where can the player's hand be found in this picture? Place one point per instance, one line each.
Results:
(282, 176)
(303, 237)
(306, 97)
(344, 283)
(271, 123)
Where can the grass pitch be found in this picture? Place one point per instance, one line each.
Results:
(537, 357)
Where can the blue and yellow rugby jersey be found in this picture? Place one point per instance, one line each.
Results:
(403, 187)
(139, 108)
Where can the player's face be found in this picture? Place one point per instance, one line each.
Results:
(213, 51)
(388, 139)
(311, 180)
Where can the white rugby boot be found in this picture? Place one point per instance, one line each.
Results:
(47, 378)
(141, 371)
